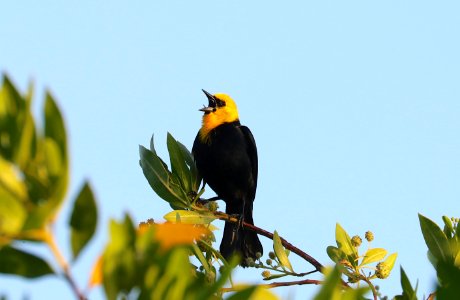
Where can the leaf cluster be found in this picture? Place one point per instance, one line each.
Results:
(176, 259)
(135, 262)
(178, 185)
(444, 254)
(34, 176)
(356, 267)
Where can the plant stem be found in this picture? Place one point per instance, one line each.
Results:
(374, 291)
(51, 242)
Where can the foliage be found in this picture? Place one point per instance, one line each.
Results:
(34, 177)
(147, 262)
(444, 254)
(175, 259)
(356, 266)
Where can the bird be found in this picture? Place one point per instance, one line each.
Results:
(225, 155)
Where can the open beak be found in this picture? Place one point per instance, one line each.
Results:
(212, 103)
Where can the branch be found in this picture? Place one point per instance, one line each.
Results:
(277, 284)
(50, 241)
(289, 283)
(286, 244)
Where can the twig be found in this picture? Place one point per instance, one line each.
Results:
(277, 284)
(49, 239)
(289, 283)
(318, 266)
(369, 283)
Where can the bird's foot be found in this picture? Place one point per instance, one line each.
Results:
(203, 201)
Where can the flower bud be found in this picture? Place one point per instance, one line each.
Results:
(356, 241)
(382, 270)
(213, 206)
(369, 236)
(266, 274)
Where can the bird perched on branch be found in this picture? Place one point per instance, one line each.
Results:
(226, 157)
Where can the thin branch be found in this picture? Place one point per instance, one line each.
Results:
(318, 266)
(276, 284)
(369, 283)
(49, 239)
(289, 283)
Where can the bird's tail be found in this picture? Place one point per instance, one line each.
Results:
(239, 240)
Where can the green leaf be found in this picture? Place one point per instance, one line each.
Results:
(243, 294)
(189, 217)
(194, 174)
(334, 253)
(119, 268)
(13, 193)
(16, 262)
(355, 294)
(55, 147)
(12, 107)
(178, 164)
(344, 243)
(54, 125)
(83, 220)
(11, 182)
(12, 215)
(330, 289)
(53, 159)
(408, 292)
(449, 277)
(280, 253)
(275, 276)
(160, 180)
(448, 226)
(27, 147)
(199, 255)
(435, 239)
(457, 260)
(208, 293)
(373, 255)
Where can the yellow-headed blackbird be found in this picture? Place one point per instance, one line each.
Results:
(226, 157)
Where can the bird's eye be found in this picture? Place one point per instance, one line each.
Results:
(214, 109)
(220, 103)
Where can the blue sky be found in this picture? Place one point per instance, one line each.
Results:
(354, 106)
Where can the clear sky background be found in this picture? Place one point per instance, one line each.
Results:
(354, 105)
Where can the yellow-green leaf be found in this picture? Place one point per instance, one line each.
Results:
(344, 242)
(280, 252)
(12, 214)
(53, 157)
(10, 181)
(54, 125)
(189, 217)
(334, 253)
(457, 260)
(373, 255)
(390, 261)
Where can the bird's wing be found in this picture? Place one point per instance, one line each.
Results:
(252, 151)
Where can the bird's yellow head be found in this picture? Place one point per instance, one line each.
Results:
(221, 109)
